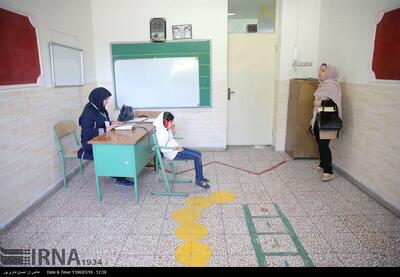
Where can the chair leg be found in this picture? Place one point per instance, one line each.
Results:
(63, 170)
(165, 178)
(98, 191)
(166, 181)
(171, 165)
(174, 178)
(81, 165)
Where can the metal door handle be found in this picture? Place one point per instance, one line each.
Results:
(229, 93)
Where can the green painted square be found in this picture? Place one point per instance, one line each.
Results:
(277, 243)
(205, 97)
(269, 225)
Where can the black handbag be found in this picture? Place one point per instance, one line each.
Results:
(126, 113)
(328, 116)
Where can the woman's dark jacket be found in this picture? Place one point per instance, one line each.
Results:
(92, 121)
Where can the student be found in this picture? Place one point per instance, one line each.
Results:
(165, 131)
(328, 89)
(95, 121)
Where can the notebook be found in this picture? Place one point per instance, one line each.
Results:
(125, 127)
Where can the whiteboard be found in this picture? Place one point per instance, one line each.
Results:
(157, 82)
(66, 65)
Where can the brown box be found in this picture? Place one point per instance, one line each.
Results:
(300, 143)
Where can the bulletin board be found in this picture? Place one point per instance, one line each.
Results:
(66, 65)
(20, 63)
(386, 51)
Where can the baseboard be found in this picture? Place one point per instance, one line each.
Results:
(39, 200)
(368, 191)
(211, 149)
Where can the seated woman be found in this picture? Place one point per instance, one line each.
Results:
(165, 131)
(95, 121)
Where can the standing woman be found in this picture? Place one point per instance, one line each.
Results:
(328, 89)
(95, 121)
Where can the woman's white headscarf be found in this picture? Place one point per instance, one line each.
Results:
(329, 88)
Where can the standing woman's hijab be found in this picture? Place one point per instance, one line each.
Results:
(97, 96)
(329, 88)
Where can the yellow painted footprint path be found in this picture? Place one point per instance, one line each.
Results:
(193, 252)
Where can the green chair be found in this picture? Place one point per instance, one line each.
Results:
(160, 162)
(60, 130)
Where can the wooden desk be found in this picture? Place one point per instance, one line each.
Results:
(122, 154)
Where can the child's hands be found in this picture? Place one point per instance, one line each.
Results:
(179, 148)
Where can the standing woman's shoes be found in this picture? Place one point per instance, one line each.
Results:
(326, 177)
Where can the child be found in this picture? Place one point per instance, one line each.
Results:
(165, 131)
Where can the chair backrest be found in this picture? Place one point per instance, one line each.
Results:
(156, 146)
(153, 135)
(62, 129)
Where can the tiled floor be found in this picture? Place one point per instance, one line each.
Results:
(334, 223)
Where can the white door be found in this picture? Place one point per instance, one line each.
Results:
(251, 76)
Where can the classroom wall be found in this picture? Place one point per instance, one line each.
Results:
(368, 148)
(297, 26)
(30, 163)
(200, 127)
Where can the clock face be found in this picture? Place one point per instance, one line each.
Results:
(158, 29)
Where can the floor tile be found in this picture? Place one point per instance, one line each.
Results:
(334, 224)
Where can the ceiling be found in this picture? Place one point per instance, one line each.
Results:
(250, 9)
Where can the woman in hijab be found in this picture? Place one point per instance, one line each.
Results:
(328, 89)
(95, 121)
(165, 131)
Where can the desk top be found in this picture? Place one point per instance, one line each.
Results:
(123, 137)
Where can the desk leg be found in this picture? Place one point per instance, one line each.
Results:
(98, 188)
(135, 187)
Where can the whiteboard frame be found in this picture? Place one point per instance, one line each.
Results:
(54, 69)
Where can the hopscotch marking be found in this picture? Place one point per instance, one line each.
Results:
(260, 254)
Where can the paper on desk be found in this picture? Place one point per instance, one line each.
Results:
(125, 127)
(142, 119)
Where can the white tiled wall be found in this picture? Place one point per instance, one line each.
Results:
(368, 147)
(30, 162)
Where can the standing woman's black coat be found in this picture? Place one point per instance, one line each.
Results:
(93, 121)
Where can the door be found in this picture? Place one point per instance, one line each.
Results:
(251, 80)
